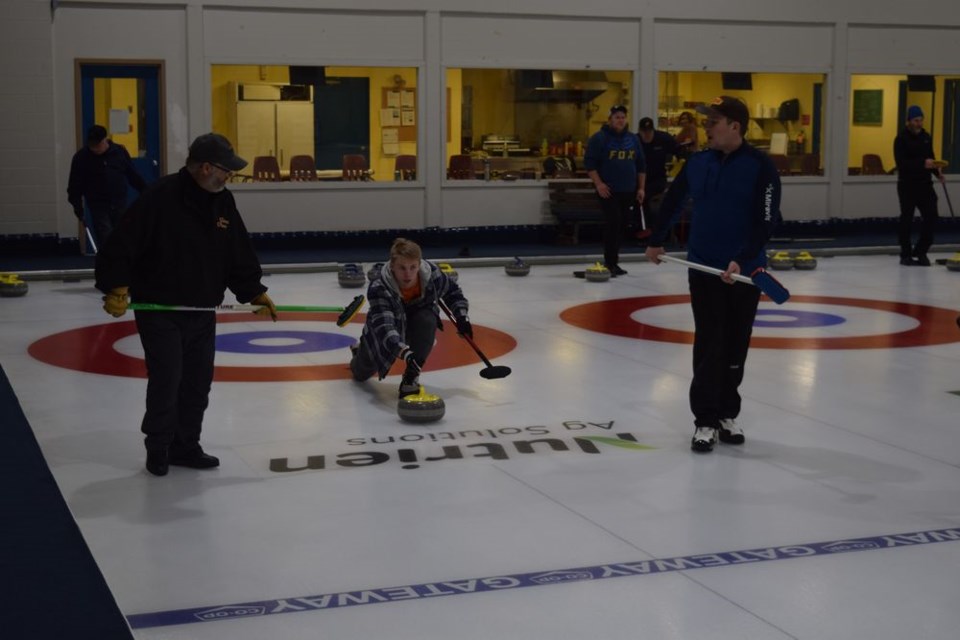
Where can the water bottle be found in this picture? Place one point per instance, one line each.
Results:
(397, 176)
(486, 169)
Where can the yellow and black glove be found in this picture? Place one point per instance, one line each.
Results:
(268, 307)
(115, 303)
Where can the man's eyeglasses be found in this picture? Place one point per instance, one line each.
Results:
(221, 167)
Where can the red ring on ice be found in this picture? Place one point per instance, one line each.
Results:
(90, 349)
(613, 317)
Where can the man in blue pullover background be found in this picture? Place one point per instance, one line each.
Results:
(614, 161)
(736, 205)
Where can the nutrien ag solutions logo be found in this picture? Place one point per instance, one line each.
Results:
(494, 444)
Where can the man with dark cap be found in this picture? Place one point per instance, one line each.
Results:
(913, 153)
(181, 243)
(659, 147)
(736, 204)
(99, 174)
(614, 162)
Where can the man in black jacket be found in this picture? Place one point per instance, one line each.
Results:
(99, 174)
(659, 147)
(913, 153)
(181, 243)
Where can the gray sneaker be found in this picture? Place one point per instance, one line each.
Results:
(730, 432)
(703, 439)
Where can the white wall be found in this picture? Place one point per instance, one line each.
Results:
(39, 47)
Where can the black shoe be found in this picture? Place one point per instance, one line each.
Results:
(158, 463)
(922, 260)
(196, 459)
(617, 271)
(908, 261)
(409, 385)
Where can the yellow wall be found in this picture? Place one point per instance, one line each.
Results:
(117, 93)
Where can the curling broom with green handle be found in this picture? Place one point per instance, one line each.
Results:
(763, 280)
(346, 313)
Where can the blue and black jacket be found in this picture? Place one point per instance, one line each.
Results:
(616, 157)
(736, 206)
(102, 179)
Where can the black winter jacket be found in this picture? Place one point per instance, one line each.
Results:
(179, 244)
(102, 178)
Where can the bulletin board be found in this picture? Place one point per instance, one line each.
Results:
(868, 107)
(398, 117)
(398, 110)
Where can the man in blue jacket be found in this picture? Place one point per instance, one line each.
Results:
(99, 174)
(614, 161)
(736, 205)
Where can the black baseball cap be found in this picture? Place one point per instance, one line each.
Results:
(217, 150)
(727, 107)
(646, 124)
(96, 134)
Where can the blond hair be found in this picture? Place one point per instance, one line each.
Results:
(405, 249)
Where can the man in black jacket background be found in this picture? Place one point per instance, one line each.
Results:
(99, 174)
(913, 153)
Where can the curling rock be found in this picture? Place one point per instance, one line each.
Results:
(374, 271)
(450, 271)
(804, 261)
(597, 273)
(421, 407)
(781, 261)
(517, 268)
(11, 286)
(350, 275)
(953, 264)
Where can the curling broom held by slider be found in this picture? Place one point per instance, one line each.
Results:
(763, 280)
(346, 313)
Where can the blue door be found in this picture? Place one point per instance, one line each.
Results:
(125, 98)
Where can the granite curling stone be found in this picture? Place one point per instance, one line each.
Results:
(597, 273)
(421, 407)
(350, 275)
(11, 286)
(804, 262)
(374, 271)
(517, 268)
(953, 264)
(781, 261)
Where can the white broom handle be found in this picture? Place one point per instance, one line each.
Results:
(702, 267)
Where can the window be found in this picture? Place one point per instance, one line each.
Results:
(521, 123)
(786, 112)
(878, 112)
(325, 113)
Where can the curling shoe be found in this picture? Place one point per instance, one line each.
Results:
(195, 459)
(703, 439)
(730, 432)
(158, 463)
(409, 384)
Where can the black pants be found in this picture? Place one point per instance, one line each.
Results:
(723, 315)
(179, 348)
(421, 333)
(618, 210)
(916, 196)
(106, 216)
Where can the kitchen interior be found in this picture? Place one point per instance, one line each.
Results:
(514, 120)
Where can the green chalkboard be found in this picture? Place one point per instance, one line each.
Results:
(868, 106)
